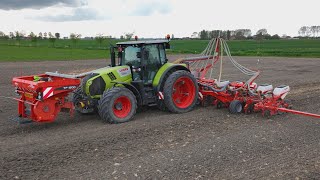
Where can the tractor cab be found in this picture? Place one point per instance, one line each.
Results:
(145, 58)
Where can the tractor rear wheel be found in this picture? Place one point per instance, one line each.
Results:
(235, 107)
(117, 105)
(180, 92)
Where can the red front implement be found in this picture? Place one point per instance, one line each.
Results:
(43, 97)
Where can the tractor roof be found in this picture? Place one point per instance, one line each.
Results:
(143, 42)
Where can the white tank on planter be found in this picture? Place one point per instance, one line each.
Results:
(222, 83)
(282, 91)
(253, 85)
(264, 88)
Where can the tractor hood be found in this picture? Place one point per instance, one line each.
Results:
(95, 83)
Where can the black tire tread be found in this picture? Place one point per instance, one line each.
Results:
(104, 109)
(77, 95)
(233, 106)
(160, 104)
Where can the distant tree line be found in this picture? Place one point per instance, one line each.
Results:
(238, 34)
(33, 38)
(21, 35)
(74, 37)
(309, 31)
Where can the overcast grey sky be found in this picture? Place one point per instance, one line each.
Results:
(155, 18)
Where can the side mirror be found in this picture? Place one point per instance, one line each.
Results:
(113, 57)
(167, 46)
(120, 55)
(120, 58)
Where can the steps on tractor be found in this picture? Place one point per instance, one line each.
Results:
(149, 96)
(147, 92)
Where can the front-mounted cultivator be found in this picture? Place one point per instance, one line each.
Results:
(42, 97)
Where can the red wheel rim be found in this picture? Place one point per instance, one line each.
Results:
(183, 92)
(122, 107)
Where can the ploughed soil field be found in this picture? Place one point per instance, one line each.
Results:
(206, 143)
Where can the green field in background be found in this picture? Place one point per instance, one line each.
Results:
(90, 49)
(285, 48)
(14, 53)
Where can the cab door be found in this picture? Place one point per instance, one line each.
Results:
(153, 59)
(131, 56)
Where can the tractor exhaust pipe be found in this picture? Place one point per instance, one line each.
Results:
(113, 56)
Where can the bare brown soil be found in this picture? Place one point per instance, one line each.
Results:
(207, 143)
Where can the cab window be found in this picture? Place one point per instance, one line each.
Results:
(152, 54)
(162, 54)
(131, 56)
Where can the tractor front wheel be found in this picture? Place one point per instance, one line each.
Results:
(180, 92)
(117, 105)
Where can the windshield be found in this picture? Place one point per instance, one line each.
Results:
(130, 56)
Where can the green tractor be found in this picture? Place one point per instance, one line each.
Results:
(140, 75)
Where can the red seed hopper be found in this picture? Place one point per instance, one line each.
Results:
(43, 96)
